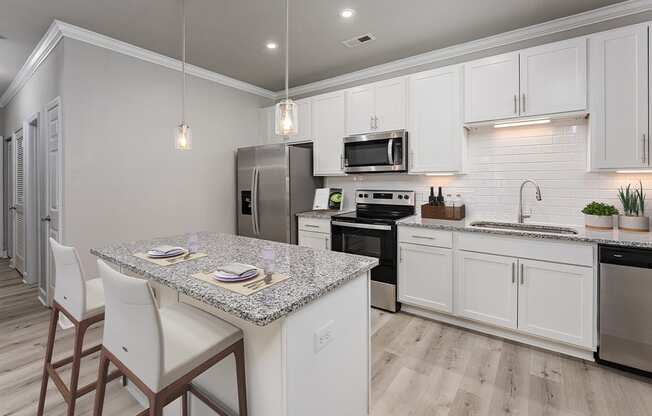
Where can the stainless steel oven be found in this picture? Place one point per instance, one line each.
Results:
(376, 152)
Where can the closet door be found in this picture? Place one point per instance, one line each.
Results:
(53, 187)
(18, 207)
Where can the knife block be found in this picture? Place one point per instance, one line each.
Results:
(443, 213)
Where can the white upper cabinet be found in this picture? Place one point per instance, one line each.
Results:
(328, 132)
(435, 126)
(304, 133)
(376, 107)
(618, 85)
(546, 79)
(569, 289)
(491, 88)
(553, 78)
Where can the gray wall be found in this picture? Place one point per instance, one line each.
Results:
(598, 27)
(123, 178)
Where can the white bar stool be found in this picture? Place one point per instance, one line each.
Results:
(81, 300)
(161, 350)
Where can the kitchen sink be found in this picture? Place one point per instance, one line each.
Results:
(533, 228)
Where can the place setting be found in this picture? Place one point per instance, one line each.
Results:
(167, 255)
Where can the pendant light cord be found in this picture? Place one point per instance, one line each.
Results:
(287, 45)
(183, 62)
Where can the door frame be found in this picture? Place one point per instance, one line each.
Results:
(12, 226)
(5, 194)
(31, 135)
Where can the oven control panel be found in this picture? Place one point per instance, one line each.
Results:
(373, 196)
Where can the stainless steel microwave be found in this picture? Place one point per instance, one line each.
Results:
(376, 152)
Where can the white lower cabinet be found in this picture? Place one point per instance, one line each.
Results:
(426, 276)
(314, 240)
(556, 301)
(486, 288)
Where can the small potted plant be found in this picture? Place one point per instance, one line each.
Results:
(599, 215)
(633, 201)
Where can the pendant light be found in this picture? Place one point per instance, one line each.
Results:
(183, 133)
(287, 110)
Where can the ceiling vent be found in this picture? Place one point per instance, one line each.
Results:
(358, 40)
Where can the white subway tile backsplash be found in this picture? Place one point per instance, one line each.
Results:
(554, 155)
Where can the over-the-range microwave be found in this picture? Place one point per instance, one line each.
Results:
(376, 152)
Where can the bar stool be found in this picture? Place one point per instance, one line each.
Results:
(161, 350)
(82, 302)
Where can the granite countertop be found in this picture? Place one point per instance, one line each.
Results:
(326, 214)
(614, 237)
(312, 273)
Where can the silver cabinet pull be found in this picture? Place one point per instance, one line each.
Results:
(311, 226)
(371, 122)
(515, 104)
(326, 243)
(513, 273)
(342, 162)
(375, 123)
(524, 110)
(423, 237)
(644, 155)
(522, 275)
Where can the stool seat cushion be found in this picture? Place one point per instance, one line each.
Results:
(94, 297)
(190, 337)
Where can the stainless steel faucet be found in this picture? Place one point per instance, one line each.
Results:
(521, 216)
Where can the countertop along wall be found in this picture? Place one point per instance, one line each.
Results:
(124, 180)
(498, 160)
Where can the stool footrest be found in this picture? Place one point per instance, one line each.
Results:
(84, 353)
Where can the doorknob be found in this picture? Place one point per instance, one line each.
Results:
(12, 208)
(48, 219)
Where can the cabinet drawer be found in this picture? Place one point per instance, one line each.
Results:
(425, 236)
(319, 225)
(527, 248)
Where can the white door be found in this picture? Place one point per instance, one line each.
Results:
(556, 301)
(53, 185)
(390, 105)
(314, 240)
(360, 109)
(486, 288)
(425, 277)
(19, 201)
(436, 130)
(491, 88)
(328, 133)
(553, 78)
(618, 98)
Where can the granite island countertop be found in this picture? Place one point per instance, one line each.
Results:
(312, 273)
(324, 213)
(613, 237)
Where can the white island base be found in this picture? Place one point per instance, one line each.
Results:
(289, 372)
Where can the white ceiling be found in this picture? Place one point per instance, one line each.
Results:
(229, 36)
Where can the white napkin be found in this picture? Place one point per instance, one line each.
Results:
(237, 270)
(165, 251)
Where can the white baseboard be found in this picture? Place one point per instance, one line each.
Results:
(502, 333)
(4, 254)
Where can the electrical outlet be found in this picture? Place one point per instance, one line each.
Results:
(324, 336)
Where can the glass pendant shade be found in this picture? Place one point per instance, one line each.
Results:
(183, 137)
(287, 118)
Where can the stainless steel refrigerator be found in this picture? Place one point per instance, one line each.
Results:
(275, 182)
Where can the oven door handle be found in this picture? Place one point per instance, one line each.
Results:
(390, 151)
(365, 226)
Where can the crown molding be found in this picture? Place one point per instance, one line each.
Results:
(47, 43)
(614, 11)
(58, 30)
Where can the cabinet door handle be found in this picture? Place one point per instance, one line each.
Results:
(342, 162)
(423, 237)
(522, 275)
(524, 110)
(311, 226)
(326, 243)
(375, 123)
(513, 273)
(515, 104)
(371, 122)
(644, 155)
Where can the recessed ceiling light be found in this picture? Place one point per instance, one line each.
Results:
(347, 13)
(272, 45)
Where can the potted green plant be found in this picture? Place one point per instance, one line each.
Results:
(633, 201)
(599, 215)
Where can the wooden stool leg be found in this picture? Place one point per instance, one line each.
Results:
(54, 318)
(101, 384)
(80, 330)
(155, 406)
(242, 380)
(184, 403)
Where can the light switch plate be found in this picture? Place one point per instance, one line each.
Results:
(324, 336)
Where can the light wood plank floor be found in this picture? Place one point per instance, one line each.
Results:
(420, 368)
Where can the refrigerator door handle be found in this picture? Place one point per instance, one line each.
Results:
(254, 201)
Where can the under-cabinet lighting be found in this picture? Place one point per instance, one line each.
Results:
(522, 123)
(635, 171)
(440, 174)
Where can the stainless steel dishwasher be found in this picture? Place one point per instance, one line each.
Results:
(625, 316)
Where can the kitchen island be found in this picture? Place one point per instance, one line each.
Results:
(307, 338)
